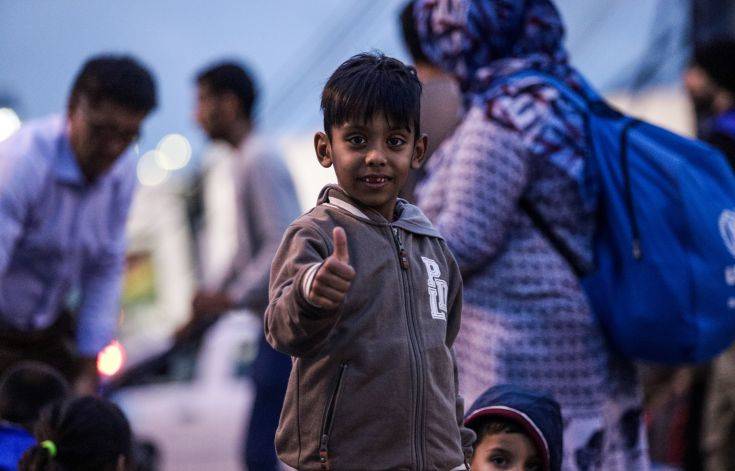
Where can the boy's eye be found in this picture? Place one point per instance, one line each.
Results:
(498, 460)
(396, 141)
(356, 140)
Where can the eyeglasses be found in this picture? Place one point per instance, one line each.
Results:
(102, 124)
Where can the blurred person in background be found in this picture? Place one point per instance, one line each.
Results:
(710, 390)
(266, 204)
(710, 82)
(441, 101)
(25, 389)
(525, 319)
(66, 183)
(691, 410)
(81, 434)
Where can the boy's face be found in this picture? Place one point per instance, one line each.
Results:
(506, 451)
(371, 160)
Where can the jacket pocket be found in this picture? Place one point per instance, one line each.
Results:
(328, 417)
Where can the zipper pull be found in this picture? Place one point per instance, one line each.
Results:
(323, 453)
(402, 255)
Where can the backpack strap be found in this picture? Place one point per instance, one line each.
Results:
(556, 242)
(584, 103)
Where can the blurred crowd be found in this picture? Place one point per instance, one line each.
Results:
(473, 158)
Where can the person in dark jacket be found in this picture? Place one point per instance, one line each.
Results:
(516, 430)
(365, 295)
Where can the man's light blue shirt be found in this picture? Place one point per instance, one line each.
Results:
(60, 234)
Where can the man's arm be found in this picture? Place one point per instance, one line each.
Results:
(273, 200)
(100, 280)
(19, 179)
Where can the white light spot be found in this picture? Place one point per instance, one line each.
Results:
(9, 123)
(111, 359)
(149, 172)
(174, 152)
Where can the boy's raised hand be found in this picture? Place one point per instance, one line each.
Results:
(333, 279)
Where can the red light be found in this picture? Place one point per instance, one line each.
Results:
(111, 359)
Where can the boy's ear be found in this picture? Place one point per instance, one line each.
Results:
(323, 149)
(419, 152)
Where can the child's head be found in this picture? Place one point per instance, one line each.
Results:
(516, 430)
(26, 388)
(84, 434)
(372, 134)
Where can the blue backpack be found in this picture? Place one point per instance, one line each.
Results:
(663, 286)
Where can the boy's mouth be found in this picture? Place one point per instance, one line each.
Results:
(375, 180)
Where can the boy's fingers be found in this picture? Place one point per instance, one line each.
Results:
(341, 269)
(322, 302)
(328, 292)
(339, 238)
(333, 281)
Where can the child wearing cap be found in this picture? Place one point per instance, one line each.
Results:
(516, 430)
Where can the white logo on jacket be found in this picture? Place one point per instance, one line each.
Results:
(438, 290)
(727, 229)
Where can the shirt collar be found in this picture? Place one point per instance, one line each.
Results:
(65, 165)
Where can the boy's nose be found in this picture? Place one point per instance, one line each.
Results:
(375, 157)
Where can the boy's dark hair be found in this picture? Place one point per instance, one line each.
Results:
(28, 387)
(411, 35)
(371, 83)
(120, 79)
(87, 434)
(716, 57)
(231, 77)
(494, 426)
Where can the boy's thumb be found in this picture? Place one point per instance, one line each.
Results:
(339, 238)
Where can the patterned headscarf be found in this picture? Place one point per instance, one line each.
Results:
(481, 40)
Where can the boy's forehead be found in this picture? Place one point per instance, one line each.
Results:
(378, 121)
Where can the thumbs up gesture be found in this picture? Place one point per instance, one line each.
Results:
(334, 277)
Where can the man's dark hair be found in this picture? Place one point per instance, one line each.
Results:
(231, 77)
(411, 35)
(371, 83)
(28, 387)
(120, 79)
(716, 58)
(88, 434)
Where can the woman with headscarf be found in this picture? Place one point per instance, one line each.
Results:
(525, 320)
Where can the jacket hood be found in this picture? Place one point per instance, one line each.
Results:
(408, 216)
(538, 415)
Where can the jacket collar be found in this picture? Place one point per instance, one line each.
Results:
(408, 216)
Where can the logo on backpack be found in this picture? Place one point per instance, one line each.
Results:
(438, 290)
(727, 229)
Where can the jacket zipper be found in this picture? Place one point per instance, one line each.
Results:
(415, 348)
(328, 419)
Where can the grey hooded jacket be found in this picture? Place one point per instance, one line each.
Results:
(373, 383)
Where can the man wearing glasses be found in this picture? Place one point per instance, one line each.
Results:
(66, 183)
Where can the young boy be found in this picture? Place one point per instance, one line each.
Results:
(365, 295)
(516, 430)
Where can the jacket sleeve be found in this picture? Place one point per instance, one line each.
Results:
(274, 205)
(292, 325)
(483, 187)
(453, 326)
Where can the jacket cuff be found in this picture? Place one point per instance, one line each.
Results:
(303, 283)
